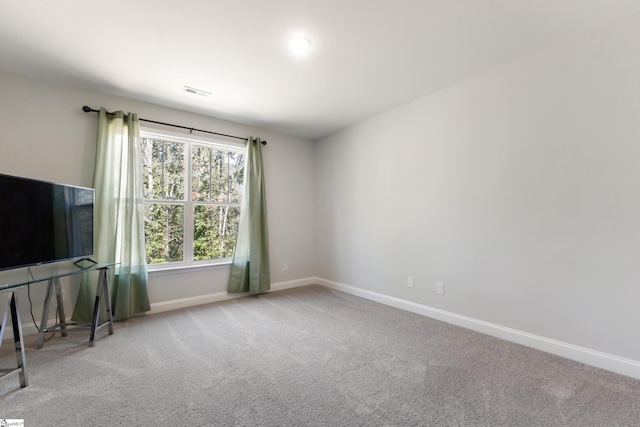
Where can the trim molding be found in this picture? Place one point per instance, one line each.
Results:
(162, 306)
(28, 329)
(159, 307)
(584, 355)
(175, 304)
(280, 286)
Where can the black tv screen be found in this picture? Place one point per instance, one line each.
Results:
(42, 222)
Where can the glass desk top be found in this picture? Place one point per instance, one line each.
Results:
(40, 273)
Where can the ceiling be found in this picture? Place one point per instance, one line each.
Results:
(366, 56)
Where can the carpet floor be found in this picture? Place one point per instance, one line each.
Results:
(307, 356)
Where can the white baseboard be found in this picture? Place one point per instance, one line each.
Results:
(584, 355)
(31, 329)
(159, 307)
(163, 306)
(293, 283)
(27, 329)
(175, 304)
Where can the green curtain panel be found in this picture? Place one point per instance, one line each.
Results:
(118, 217)
(250, 268)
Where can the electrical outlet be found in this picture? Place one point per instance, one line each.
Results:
(440, 288)
(410, 282)
(285, 267)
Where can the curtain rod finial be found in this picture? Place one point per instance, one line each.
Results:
(86, 109)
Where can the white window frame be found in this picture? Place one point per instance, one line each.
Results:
(189, 141)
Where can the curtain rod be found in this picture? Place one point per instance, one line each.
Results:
(91, 110)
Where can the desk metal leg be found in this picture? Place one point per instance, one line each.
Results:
(18, 340)
(54, 285)
(45, 314)
(102, 290)
(63, 320)
(107, 301)
(13, 307)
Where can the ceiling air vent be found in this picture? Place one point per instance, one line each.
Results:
(196, 91)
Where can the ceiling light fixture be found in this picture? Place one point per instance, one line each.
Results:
(195, 91)
(299, 44)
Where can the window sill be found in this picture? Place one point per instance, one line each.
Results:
(163, 270)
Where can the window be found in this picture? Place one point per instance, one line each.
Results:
(192, 190)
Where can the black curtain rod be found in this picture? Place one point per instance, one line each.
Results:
(91, 110)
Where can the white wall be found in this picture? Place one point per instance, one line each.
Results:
(519, 189)
(44, 134)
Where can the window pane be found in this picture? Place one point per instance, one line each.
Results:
(217, 175)
(215, 229)
(236, 169)
(202, 174)
(163, 168)
(164, 232)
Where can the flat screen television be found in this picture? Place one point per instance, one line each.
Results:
(43, 222)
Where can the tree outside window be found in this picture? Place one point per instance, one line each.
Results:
(192, 196)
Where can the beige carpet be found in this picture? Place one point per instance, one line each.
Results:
(307, 357)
